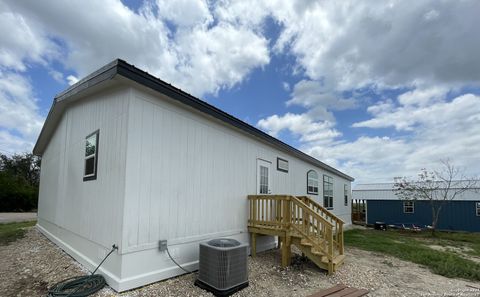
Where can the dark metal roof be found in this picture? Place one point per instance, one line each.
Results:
(124, 69)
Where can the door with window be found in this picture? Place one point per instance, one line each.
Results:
(264, 177)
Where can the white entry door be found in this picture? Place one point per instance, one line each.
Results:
(263, 177)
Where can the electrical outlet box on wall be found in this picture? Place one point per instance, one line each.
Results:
(162, 245)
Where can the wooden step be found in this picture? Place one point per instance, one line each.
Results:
(319, 253)
(338, 260)
(306, 243)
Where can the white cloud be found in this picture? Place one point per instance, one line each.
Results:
(56, 75)
(11, 144)
(21, 43)
(352, 44)
(301, 125)
(185, 13)
(246, 13)
(309, 93)
(447, 129)
(19, 116)
(423, 97)
(427, 47)
(368, 159)
(349, 46)
(409, 117)
(443, 130)
(196, 55)
(219, 57)
(72, 79)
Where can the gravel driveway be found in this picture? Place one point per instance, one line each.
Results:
(32, 264)
(10, 217)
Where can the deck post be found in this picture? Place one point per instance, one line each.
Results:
(253, 243)
(330, 250)
(286, 250)
(342, 248)
(289, 249)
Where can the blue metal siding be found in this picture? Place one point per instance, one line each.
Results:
(456, 215)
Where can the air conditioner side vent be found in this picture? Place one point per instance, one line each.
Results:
(223, 264)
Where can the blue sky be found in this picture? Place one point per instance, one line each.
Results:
(377, 90)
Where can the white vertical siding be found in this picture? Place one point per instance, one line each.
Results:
(189, 175)
(92, 209)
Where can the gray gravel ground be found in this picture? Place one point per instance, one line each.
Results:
(32, 264)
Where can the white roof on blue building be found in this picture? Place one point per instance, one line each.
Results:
(384, 191)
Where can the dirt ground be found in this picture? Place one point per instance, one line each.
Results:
(32, 264)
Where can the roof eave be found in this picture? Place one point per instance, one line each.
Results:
(120, 67)
(103, 74)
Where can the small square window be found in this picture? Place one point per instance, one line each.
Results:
(282, 165)
(408, 207)
(91, 154)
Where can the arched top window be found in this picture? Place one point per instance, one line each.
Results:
(312, 182)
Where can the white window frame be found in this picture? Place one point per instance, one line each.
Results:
(312, 183)
(327, 199)
(264, 182)
(282, 165)
(477, 207)
(405, 206)
(92, 176)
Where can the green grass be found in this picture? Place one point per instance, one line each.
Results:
(414, 247)
(10, 232)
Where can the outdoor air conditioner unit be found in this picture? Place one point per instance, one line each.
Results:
(223, 267)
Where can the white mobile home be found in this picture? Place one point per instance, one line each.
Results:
(128, 159)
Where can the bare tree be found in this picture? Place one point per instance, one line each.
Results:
(438, 187)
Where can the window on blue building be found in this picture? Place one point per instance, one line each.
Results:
(408, 207)
(478, 209)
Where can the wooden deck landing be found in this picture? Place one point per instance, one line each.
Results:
(299, 221)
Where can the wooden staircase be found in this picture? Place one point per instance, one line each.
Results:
(300, 221)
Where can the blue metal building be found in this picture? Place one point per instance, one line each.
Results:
(382, 205)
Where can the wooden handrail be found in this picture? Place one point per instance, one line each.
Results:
(307, 200)
(309, 209)
(338, 239)
(268, 210)
(314, 228)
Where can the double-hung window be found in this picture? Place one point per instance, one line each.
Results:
(327, 191)
(91, 156)
(408, 207)
(312, 182)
